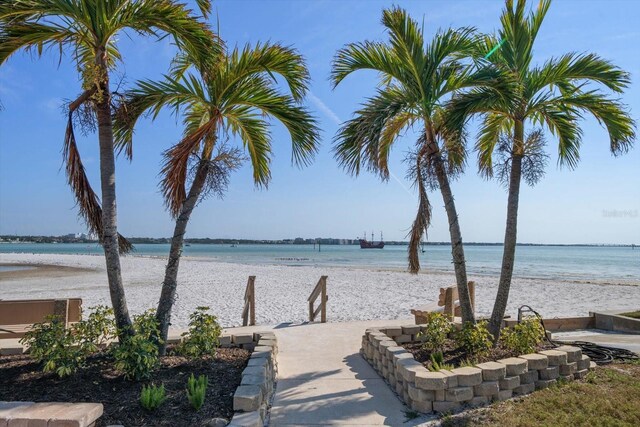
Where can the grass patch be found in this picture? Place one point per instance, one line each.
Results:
(410, 415)
(610, 396)
(634, 314)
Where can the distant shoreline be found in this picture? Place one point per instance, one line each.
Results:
(306, 242)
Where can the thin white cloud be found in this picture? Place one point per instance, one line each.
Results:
(325, 109)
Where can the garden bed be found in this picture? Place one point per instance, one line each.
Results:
(456, 356)
(22, 379)
(475, 383)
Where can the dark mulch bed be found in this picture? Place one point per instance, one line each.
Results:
(457, 356)
(22, 379)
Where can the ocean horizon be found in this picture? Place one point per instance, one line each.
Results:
(589, 264)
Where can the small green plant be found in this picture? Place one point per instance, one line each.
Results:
(97, 329)
(523, 337)
(52, 344)
(437, 362)
(151, 397)
(411, 415)
(468, 363)
(196, 390)
(435, 331)
(203, 337)
(137, 355)
(474, 338)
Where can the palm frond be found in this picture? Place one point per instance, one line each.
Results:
(358, 142)
(612, 114)
(576, 69)
(269, 59)
(86, 198)
(422, 220)
(175, 168)
(253, 132)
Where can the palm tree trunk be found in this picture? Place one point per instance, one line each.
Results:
(170, 283)
(510, 235)
(457, 249)
(109, 212)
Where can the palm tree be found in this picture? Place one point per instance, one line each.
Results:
(416, 79)
(88, 29)
(554, 95)
(234, 97)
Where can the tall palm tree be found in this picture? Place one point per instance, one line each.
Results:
(416, 80)
(88, 29)
(232, 98)
(555, 95)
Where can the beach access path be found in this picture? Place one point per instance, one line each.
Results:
(323, 380)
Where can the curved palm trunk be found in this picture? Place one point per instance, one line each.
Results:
(457, 249)
(109, 212)
(170, 283)
(510, 235)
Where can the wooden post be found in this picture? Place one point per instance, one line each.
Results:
(472, 296)
(252, 300)
(249, 307)
(320, 290)
(323, 316)
(449, 309)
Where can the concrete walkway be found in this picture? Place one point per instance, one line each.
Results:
(323, 380)
(606, 338)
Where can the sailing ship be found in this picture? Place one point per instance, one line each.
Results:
(366, 244)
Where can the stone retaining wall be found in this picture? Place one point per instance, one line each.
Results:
(252, 397)
(447, 391)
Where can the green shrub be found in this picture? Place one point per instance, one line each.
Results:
(435, 331)
(196, 390)
(437, 362)
(203, 337)
(97, 329)
(137, 355)
(55, 346)
(523, 337)
(474, 338)
(152, 397)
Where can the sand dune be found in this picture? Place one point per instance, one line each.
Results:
(281, 291)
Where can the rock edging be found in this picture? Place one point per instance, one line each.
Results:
(252, 397)
(448, 391)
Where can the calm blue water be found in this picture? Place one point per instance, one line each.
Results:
(14, 268)
(593, 264)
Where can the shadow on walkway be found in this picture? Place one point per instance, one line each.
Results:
(321, 398)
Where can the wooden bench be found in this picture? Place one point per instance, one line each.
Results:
(50, 414)
(17, 316)
(448, 304)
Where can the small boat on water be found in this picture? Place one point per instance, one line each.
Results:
(366, 244)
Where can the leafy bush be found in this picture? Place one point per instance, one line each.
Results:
(474, 338)
(523, 337)
(196, 390)
(203, 337)
(435, 331)
(137, 355)
(152, 397)
(97, 329)
(437, 362)
(54, 345)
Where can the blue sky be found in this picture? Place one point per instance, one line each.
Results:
(599, 202)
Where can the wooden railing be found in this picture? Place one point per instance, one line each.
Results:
(319, 290)
(249, 309)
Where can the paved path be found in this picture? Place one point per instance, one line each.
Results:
(606, 338)
(323, 380)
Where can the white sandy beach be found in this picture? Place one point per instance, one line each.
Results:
(281, 291)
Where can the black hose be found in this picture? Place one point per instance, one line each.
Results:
(600, 354)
